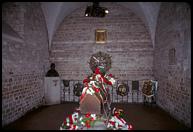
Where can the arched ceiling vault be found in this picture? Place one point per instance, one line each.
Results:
(55, 12)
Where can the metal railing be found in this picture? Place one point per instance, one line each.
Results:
(133, 96)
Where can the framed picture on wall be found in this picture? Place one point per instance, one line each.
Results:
(100, 36)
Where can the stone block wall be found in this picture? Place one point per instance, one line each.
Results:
(24, 59)
(128, 42)
(173, 72)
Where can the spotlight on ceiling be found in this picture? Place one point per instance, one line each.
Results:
(106, 11)
(96, 11)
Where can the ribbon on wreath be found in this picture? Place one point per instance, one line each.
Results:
(97, 82)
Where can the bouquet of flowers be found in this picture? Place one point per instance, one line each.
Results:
(116, 121)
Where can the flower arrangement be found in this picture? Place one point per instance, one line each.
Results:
(76, 121)
(96, 84)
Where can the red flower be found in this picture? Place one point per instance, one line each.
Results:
(85, 80)
(130, 127)
(97, 90)
(110, 75)
(116, 114)
(112, 122)
(87, 115)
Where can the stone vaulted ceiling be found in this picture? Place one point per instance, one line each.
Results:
(55, 12)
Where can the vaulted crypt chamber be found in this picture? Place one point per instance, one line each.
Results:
(140, 45)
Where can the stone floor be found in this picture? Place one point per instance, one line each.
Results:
(140, 116)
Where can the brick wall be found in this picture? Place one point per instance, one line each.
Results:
(174, 76)
(128, 42)
(24, 59)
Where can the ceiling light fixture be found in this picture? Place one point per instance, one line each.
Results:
(96, 11)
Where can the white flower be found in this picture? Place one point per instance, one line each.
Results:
(80, 118)
(94, 116)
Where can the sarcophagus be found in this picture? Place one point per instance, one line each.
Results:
(90, 103)
(93, 104)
